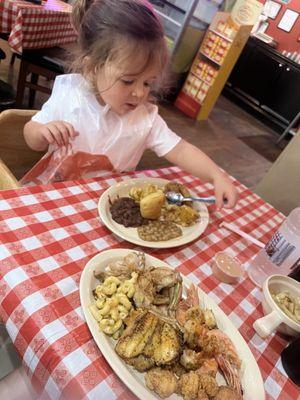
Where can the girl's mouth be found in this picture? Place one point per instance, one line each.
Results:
(131, 106)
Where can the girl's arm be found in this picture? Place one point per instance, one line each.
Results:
(197, 163)
(39, 136)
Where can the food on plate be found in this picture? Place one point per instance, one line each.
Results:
(148, 209)
(156, 231)
(138, 193)
(151, 205)
(112, 303)
(161, 381)
(182, 215)
(289, 305)
(169, 337)
(179, 188)
(127, 212)
(191, 383)
(212, 342)
(226, 393)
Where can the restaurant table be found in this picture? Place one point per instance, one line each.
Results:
(31, 26)
(49, 233)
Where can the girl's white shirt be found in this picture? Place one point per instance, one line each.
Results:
(122, 139)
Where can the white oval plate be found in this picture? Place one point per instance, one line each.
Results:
(251, 379)
(122, 189)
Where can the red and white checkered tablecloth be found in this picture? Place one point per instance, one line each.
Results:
(33, 26)
(48, 234)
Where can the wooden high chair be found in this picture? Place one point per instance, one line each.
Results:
(17, 158)
(7, 179)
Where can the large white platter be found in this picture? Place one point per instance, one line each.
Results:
(251, 379)
(130, 234)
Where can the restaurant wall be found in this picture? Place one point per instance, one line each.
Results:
(289, 41)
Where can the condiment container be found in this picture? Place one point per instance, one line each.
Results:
(275, 318)
(227, 268)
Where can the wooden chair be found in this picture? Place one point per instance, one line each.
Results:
(281, 184)
(7, 95)
(7, 179)
(35, 63)
(14, 152)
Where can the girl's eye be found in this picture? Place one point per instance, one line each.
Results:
(127, 82)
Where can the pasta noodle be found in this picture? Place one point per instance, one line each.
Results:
(112, 304)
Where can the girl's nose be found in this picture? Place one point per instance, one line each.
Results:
(138, 91)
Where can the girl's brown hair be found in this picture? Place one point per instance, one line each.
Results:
(115, 31)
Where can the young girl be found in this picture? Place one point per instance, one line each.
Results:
(101, 118)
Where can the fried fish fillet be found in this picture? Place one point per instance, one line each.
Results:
(168, 348)
(141, 363)
(136, 335)
(154, 340)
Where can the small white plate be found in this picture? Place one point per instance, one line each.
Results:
(122, 189)
(251, 379)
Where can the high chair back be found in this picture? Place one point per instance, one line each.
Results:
(14, 151)
(7, 179)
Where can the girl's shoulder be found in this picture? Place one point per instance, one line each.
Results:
(71, 83)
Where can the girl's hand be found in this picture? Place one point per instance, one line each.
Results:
(225, 192)
(57, 132)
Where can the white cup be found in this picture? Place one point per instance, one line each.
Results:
(275, 318)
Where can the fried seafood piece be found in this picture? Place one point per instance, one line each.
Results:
(208, 384)
(209, 367)
(199, 362)
(134, 314)
(144, 290)
(151, 287)
(162, 381)
(122, 269)
(213, 342)
(193, 386)
(136, 335)
(164, 277)
(178, 369)
(188, 386)
(227, 393)
(169, 347)
(141, 363)
(154, 340)
(202, 395)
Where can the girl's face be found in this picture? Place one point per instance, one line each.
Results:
(127, 92)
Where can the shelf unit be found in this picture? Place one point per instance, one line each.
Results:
(216, 58)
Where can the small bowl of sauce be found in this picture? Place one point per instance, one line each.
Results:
(226, 268)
